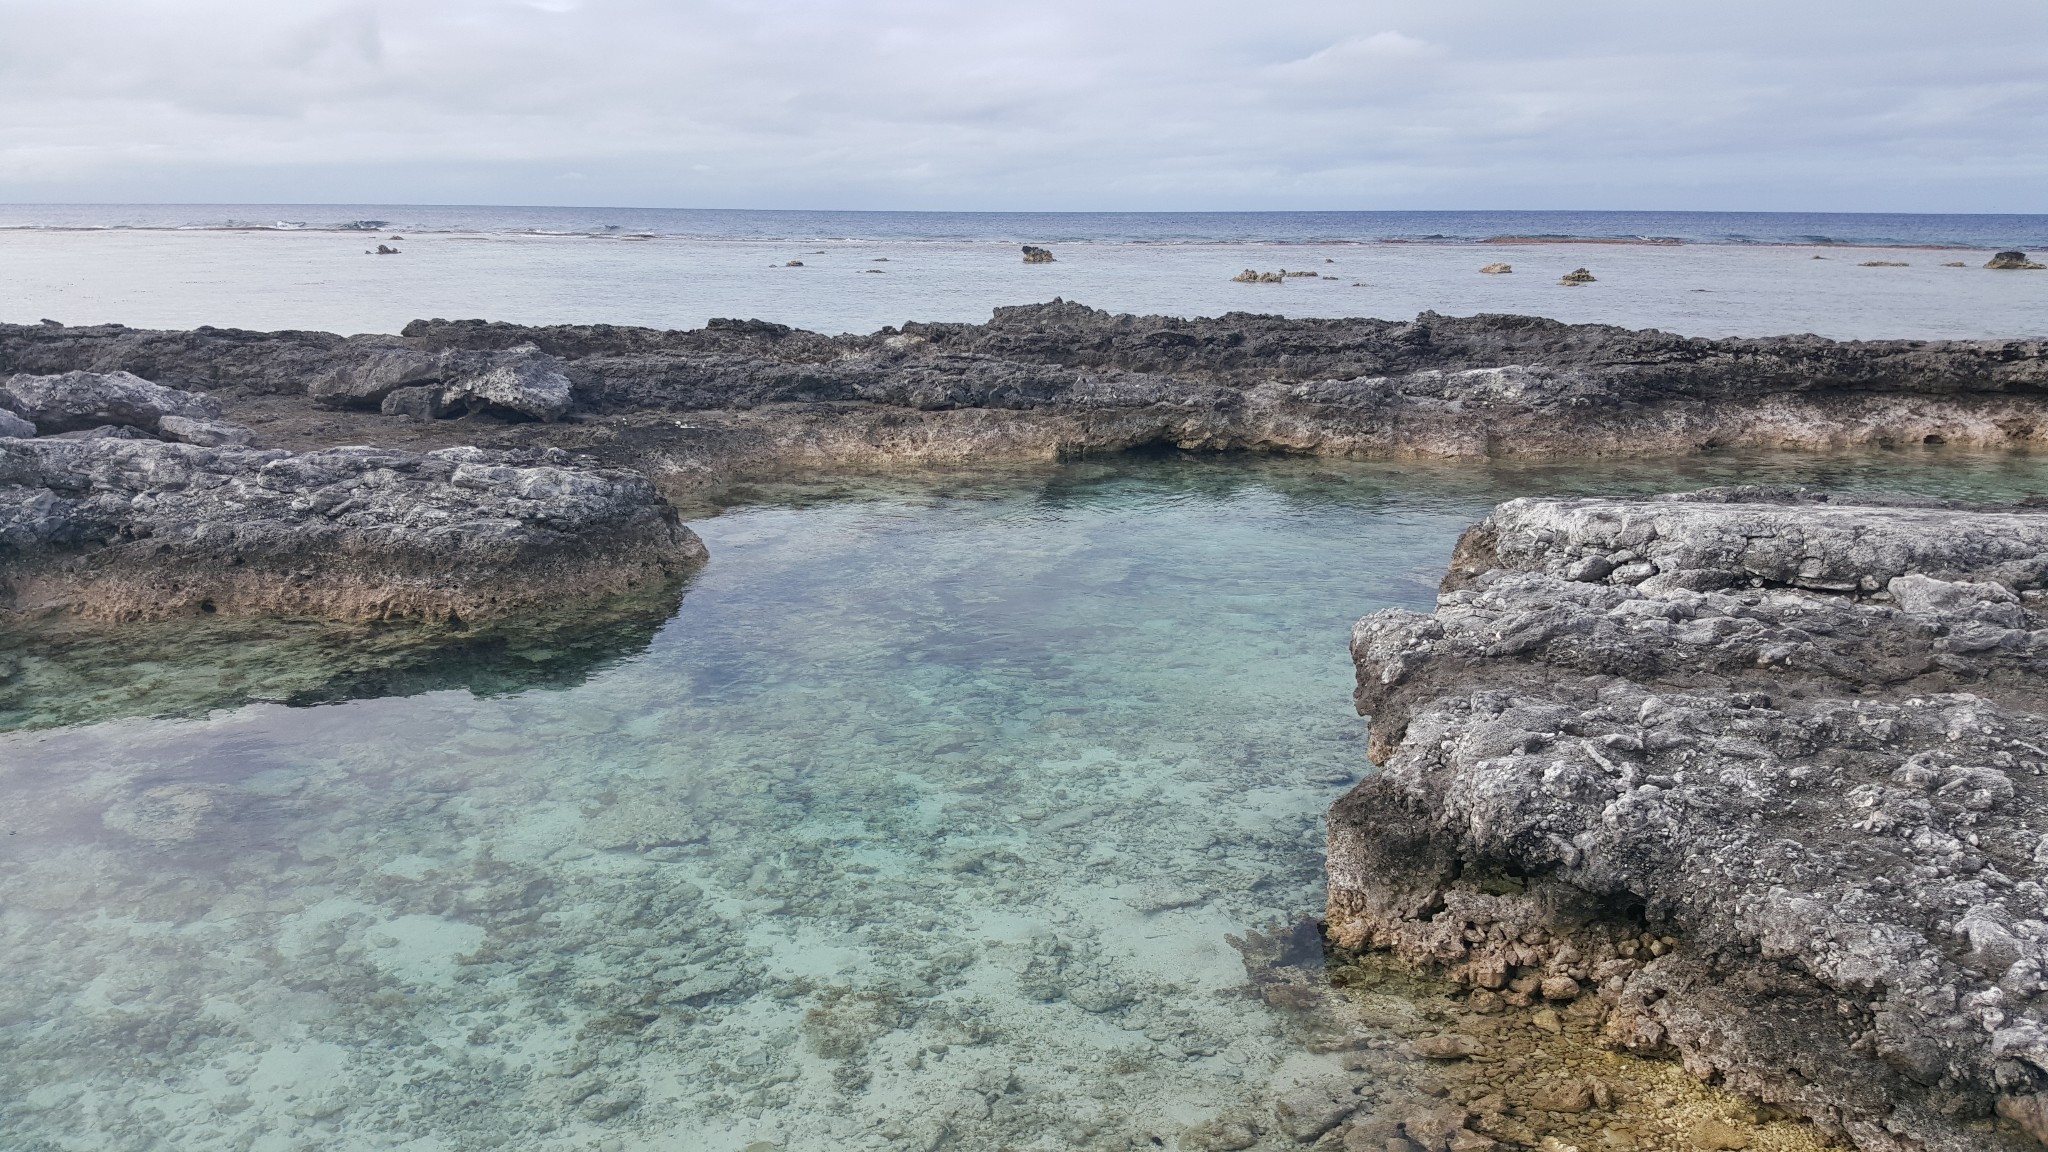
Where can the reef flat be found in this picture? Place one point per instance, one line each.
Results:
(157, 473)
(115, 507)
(694, 409)
(1748, 777)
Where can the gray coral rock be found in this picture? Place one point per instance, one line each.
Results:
(1045, 379)
(522, 380)
(119, 529)
(12, 425)
(1766, 772)
(77, 401)
(205, 433)
(364, 381)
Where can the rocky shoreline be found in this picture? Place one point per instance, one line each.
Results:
(697, 409)
(1753, 776)
(1748, 778)
(137, 502)
(146, 472)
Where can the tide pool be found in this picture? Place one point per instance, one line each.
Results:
(945, 811)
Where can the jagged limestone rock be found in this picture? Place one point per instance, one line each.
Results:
(77, 401)
(118, 529)
(1765, 771)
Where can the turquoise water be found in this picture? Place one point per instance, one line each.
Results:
(927, 820)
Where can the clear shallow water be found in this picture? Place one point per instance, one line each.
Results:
(1738, 274)
(927, 818)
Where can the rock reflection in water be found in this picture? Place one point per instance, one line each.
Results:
(63, 673)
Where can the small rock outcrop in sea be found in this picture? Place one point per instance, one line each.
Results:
(2013, 261)
(1036, 255)
(1498, 269)
(1760, 776)
(128, 529)
(1885, 264)
(1577, 276)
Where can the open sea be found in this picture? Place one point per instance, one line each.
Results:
(312, 266)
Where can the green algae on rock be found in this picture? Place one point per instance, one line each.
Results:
(62, 672)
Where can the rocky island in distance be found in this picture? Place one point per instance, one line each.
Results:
(1618, 727)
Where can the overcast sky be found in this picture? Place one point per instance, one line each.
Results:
(1854, 105)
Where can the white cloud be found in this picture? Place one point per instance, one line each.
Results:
(1057, 104)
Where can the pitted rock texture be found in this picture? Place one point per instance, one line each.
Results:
(127, 529)
(112, 403)
(77, 401)
(1043, 380)
(1762, 771)
(520, 382)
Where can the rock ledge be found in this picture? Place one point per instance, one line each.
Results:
(133, 529)
(1763, 772)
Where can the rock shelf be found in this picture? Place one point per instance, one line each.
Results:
(120, 529)
(694, 409)
(1755, 777)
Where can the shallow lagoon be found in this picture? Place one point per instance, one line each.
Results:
(926, 820)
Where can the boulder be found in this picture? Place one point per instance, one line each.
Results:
(1577, 276)
(1498, 269)
(2013, 261)
(365, 382)
(12, 425)
(75, 401)
(1034, 255)
(422, 402)
(205, 433)
(522, 381)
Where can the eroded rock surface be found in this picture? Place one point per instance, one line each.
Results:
(1042, 380)
(1761, 771)
(122, 529)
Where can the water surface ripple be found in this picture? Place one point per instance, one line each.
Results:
(925, 821)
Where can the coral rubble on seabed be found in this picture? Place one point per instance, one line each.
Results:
(881, 843)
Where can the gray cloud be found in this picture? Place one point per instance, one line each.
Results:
(1824, 104)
